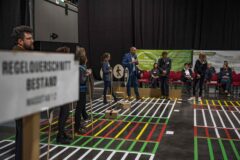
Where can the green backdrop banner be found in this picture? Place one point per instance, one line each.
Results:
(147, 58)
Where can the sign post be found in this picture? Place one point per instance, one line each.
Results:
(30, 81)
(118, 72)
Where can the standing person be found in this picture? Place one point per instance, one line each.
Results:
(23, 40)
(81, 104)
(107, 77)
(200, 71)
(62, 137)
(82, 52)
(130, 62)
(155, 76)
(164, 65)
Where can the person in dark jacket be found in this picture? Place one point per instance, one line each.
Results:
(107, 77)
(81, 104)
(62, 137)
(200, 71)
(155, 76)
(209, 72)
(225, 78)
(187, 77)
(164, 65)
(130, 62)
(23, 39)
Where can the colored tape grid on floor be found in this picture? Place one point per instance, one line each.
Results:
(72, 153)
(216, 129)
(136, 133)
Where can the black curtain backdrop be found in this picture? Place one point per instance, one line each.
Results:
(115, 25)
(12, 13)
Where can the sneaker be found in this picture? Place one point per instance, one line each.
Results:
(129, 98)
(105, 102)
(116, 100)
(138, 98)
(87, 121)
(84, 124)
(167, 98)
(192, 99)
(228, 94)
(199, 99)
(80, 131)
(67, 136)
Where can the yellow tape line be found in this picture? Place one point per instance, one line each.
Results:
(140, 134)
(104, 128)
(122, 130)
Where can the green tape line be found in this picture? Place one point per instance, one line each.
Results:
(119, 146)
(76, 141)
(107, 146)
(155, 148)
(143, 147)
(132, 145)
(234, 149)
(85, 143)
(95, 145)
(210, 149)
(222, 149)
(195, 148)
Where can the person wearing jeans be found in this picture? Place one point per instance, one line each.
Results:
(130, 62)
(107, 76)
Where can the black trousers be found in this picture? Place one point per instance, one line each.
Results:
(154, 82)
(198, 82)
(80, 110)
(19, 139)
(188, 83)
(62, 119)
(107, 84)
(164, 86)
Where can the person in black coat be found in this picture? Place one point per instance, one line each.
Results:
(62, 137)
(200, 71)
(164, 65)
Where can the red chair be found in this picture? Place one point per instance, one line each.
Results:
(236, 82)
(145, 79)
(171, 77)
(177, 79)
(213, 82)
(234, 73)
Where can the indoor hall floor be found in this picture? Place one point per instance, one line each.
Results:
(152, 129)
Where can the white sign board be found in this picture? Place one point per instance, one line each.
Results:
(31, 82)
(118, 71)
